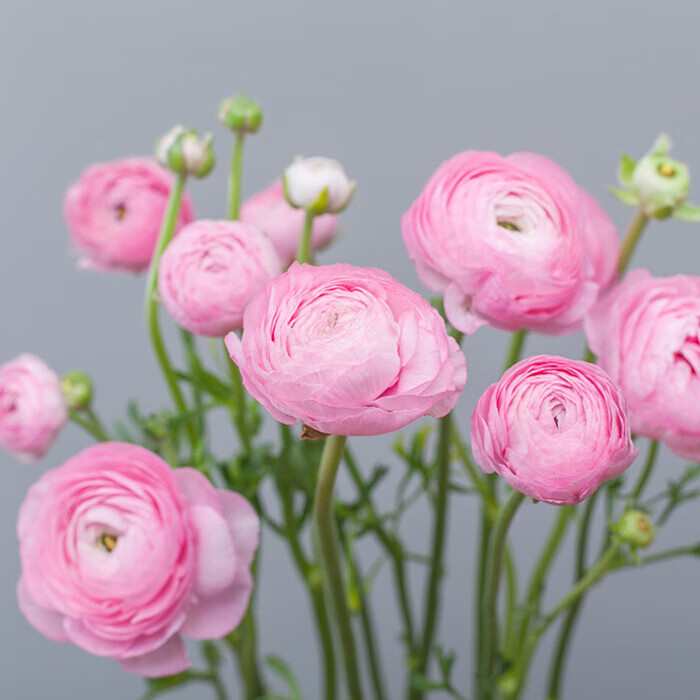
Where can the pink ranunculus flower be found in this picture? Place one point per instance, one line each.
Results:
(553, 428)
(347, 351)
(646, 333)
(511, 242)
(270, 211)
(32, 407)
(114, 213)
(209, 273)
(123, 555)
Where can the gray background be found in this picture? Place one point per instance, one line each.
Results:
(390, 89)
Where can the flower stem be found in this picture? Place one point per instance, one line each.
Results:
(437, 549)
(634, 233)
(646, 472)
(494, 566)
(238, 409)
(165, 236)
(304, 251)
(234, 178)
(90, 423)
(516, 347)
(328, 544)
(569, 623)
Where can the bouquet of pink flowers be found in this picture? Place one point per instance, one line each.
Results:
(149, 536)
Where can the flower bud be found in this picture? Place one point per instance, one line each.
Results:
(77, 389)
(318, 185)
(239, 113)
(656, 183)
(186, 153)
(635, 528)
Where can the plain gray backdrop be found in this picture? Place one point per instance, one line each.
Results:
(390, 89)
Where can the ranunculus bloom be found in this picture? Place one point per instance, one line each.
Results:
(123, 555)
(646, 333)
(511, 242)
(114, 212)
(554, 429)
(347, 351)
(32, 407)
(207, 275)
(270, 211)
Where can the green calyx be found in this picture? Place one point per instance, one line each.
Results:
(241, 114)
(185, 153)
(77, 389)
(635, 529)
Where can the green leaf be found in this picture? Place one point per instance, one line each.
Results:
(661, 146)
(687, 212)
(284, 672)
(421, 682)
(625, 196)
(626, 169)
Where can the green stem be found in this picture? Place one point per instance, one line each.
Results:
(494, 565)
(437, 549)
(591, 577)
(164, 237)
(238, 414)
(393, 548)
(634, 233)
(516, 347)
(536, 587)
(691, 550)
(328, 544)
(565, 634)
(90, 423)
(304, 251)
(244, 646)
(323, 628)
(511, 601)
(234, 178)
(646, 472)
(195, 368)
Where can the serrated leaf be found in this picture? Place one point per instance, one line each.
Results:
(626, 169)
(687, 212)
(625, 196)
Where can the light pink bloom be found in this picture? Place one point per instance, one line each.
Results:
(32, 407)
(123, 555)
(114, 212)
(207, 275)
(510, 242)
(646, 333)
(269, 211)
(554, 429)
(347, 351)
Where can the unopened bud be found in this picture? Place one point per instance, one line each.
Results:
(239, 113)
(184, 152)
(77, 389)
(318, 185)
(635, 528)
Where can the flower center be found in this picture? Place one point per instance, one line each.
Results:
(689, 353)
(107, 541)
(509, 225)
(558, 414)
(667, 170)
(120, 210)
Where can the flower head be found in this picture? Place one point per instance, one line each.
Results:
(318, 185)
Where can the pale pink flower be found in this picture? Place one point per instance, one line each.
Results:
(123, 555)
(347, 350)
(553, 428)
(270, 211)
(209, 273)
(510, 242)
(114, 213)
(32, 407)
(646, 333)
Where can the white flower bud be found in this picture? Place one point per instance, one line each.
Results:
(318, 185)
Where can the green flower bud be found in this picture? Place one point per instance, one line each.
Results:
(239, 113)
(77, 389)
(660, 183)
(184, 152)
(635, 528)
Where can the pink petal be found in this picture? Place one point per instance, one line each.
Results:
(244, 524)
(216, 553)
(216, 616)
(197, 488)
(49, 623)
(167, 660)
